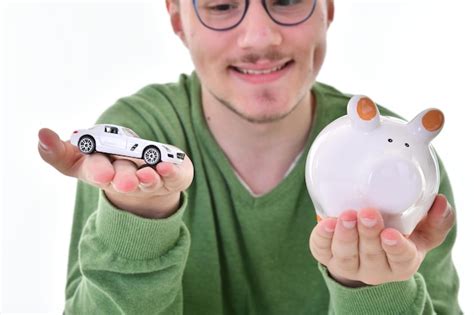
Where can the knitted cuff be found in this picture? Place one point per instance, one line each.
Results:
(134, 237)
(387, 298)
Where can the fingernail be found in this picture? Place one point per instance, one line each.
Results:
(144, 185)
(389, 242)
(329, 226)
(329, 229)
(348, 224)
(368, 222)
(43, 146)
(447, 211)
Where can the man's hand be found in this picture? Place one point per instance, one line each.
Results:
(148, 192)
(358, 250)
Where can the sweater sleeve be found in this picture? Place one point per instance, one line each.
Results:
(125, 264)
(432, 290)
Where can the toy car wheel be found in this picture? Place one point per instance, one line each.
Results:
(86, 144)
(151, 156)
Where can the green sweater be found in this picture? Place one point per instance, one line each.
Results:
(225, 251)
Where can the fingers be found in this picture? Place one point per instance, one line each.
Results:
(97, 170)
(321, 240)
(162, 180)
(357, 247)
(176, 177)
(402, 255)
(435, 226)
(125, 179)
(345, 245)
(61, 155)
(143, 191)
(370, 224)
(148, 178)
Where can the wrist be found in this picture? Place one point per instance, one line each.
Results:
(157, 207)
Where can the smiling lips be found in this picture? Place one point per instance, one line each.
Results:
(261, 73)
(256, 70)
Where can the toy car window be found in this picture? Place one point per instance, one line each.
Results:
(130, 132)
(110, 129)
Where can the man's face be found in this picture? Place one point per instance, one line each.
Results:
(259, 69)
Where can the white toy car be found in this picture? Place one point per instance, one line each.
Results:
(118, 140)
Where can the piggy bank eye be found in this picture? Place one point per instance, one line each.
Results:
(407, 145)
(390, 140)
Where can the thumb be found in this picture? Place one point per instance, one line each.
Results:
(61, 155)
(435, 226)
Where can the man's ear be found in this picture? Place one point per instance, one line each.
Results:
(175, 18)
(330, 8)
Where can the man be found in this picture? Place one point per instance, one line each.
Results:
(228, 232)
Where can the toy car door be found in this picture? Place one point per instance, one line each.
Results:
(112, 137)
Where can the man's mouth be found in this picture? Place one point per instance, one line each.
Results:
(261, 73)
(256, 71)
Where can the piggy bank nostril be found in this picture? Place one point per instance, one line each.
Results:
(394, 185)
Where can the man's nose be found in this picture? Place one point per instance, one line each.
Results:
(258, 30)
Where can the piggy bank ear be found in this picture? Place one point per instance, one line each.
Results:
(363, 113)
(427, 124)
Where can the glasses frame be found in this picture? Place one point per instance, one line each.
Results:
(247, 4)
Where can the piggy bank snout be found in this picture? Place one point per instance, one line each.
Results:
(394, 185)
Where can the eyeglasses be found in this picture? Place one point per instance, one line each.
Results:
(223, 15)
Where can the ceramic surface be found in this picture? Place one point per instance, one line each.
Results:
(365, 160)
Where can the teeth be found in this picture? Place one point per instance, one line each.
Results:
(254, 72)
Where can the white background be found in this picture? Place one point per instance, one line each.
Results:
(63, 63)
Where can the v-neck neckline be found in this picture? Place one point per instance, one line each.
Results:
(206, 138)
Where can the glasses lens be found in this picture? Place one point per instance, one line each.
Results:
(220, 14)
(290, 12)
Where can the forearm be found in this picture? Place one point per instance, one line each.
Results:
(404, 297)
(129, 264)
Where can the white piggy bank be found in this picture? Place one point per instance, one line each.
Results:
(365, 160)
